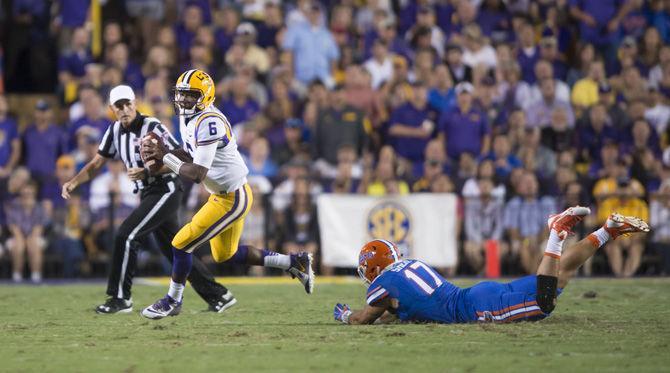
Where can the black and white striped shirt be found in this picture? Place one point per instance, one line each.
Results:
(124, 143)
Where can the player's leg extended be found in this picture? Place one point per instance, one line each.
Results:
(530, 297)
(217, 212)
(615, 226)
(217, 296)
(225, 248)
(549, 269)
(298, 265)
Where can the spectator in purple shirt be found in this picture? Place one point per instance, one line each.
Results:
(628, 55)
(596, 133)
(494, 20)
(72, 64)
(411, 126)
(10, 144)
(43, 143)
(635, 22)
(641, 137)
(270, 26)
(389, 34)
(528, 53)
(225, 33)
(26, 220)
(185, 30)
(73, 13)
(599, 22)
(464, 129)
(132, 72)
(549, 52)
(239, 107)
(556, 28)
(661, 20)
(94, 118)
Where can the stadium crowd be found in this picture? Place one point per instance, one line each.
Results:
(521, 108)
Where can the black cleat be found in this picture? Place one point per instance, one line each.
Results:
(301, 268)
(223, 302)
(115, 305)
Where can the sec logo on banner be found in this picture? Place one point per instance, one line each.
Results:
(390, 221)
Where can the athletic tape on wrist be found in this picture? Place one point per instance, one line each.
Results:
(172, 162)
(345, 317)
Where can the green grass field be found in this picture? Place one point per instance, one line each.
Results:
(277, 328)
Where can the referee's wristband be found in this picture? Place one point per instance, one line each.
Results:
(172, 162)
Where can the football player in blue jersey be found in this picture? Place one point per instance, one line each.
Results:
(410, 290)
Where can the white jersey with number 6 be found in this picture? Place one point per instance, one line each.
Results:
(209, 139)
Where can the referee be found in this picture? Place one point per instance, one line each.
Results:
(158, 210)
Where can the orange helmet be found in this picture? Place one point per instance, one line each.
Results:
(376, 254)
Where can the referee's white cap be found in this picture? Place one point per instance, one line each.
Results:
(121, 92)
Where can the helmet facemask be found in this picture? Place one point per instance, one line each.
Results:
(187, 101)
(362, 269)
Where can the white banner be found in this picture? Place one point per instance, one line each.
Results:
(423, 226)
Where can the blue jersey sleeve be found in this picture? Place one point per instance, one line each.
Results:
(378, 290)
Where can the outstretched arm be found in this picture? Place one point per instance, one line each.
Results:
(368, 315)
(87, 173)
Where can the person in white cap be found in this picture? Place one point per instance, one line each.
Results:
(157, 212)
(255, 56)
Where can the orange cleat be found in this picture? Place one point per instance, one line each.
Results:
(617, 225)
(564, 222)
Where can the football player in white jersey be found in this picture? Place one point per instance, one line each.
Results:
(210, 156)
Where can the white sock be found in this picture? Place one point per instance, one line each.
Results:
(276, 260)
(176, 291)
(554, 245)
(17, 277)
(601, 235)
(36, 277)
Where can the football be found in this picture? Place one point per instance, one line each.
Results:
(150, 163)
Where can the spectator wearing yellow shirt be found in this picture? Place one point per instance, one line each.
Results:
(608, 185)
(585, 91)
(624, 202)
(385, 181)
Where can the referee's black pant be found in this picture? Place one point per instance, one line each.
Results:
(157, 213)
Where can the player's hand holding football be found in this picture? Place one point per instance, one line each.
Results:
(342, 313)
(153, 148)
